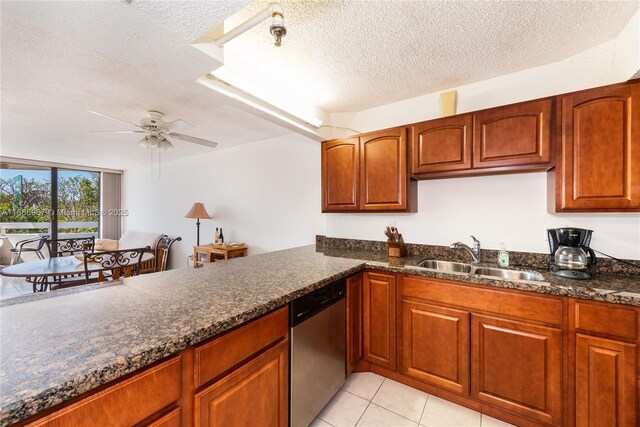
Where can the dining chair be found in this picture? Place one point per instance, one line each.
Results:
(71, 246)
(114, 264)
(28, 245)
(162, 251)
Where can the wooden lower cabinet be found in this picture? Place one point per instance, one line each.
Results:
(354, 322)
(257, 392)
(379, 328)
(125, 403)
(517, 366)
(240, 378)
(435, 345)
(605, 382)
(172, 419)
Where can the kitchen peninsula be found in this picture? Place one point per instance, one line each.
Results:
(57, 348)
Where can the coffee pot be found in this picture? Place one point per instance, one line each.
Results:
(571, 255)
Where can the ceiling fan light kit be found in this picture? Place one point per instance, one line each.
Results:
(157, 131)
(155, 142)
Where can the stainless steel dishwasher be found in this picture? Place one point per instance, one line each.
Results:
(317, 322)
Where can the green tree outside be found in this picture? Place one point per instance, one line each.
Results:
(78, 201)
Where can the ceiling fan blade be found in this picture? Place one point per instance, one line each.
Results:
(118, 131)
(177, 126)
(193, 139)
(112, 118)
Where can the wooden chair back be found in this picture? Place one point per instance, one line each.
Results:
(115, 264)
(70, 246)
(162, 251)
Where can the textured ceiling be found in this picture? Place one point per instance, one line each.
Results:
(353, 55)
(59, 59)
(62, 58)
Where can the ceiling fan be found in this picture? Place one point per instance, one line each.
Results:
(157, 131)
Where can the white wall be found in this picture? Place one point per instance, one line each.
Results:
(266, 194)
(500, 208)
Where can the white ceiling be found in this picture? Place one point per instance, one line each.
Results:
(353, 55)
(62, 58)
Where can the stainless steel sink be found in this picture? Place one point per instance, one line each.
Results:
(495, 273)
(445, 266)
(501, 273)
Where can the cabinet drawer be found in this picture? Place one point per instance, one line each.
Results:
(172, 419)
(256, 393)
(606, 319)
(221, 354)
(506, 303)
(125, 403)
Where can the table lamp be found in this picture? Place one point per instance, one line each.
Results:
(198, 212)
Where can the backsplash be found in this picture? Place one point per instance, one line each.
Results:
(489, 256)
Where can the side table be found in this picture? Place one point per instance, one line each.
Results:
(212, 251)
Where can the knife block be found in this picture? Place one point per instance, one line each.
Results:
(397, 249)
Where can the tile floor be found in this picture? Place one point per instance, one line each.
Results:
(14, 287)
(368, 399)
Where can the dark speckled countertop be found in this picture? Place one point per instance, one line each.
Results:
(56, 347)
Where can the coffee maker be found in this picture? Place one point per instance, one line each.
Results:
(571, 255)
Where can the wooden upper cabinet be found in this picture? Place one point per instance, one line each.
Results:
(598, 167)
(384, 179)
(518, 134)
(366, 173)
(442, 145)
(341, 175)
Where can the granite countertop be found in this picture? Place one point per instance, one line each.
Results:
(62, 345)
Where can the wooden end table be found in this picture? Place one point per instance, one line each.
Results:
(212, 252)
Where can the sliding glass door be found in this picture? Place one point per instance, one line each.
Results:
(78, 203)
(36, 200)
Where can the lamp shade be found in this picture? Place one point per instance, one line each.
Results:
(198, 211)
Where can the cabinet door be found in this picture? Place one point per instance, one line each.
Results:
(354, 322)
(513, 135)
(380, 319)
(341, 175)
(442, 145)
(435, 345)
(257, 392)
(384, 182)
(599, 163)
(517, 366)
(605, 382)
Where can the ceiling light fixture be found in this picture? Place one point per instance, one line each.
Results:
(309, 124)
(155, 142)
(277, 28)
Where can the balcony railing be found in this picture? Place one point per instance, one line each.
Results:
(13, 232)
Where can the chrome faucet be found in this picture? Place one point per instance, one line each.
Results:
(475, 251)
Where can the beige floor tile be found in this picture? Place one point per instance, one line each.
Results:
(344, 410)
(441, 413)
(363, 384)
(488, 421)
(401, 399)
(375, 416)
(319, 423)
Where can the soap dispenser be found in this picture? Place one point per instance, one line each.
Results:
(503, 256)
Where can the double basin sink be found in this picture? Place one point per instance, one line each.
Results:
(494, 273)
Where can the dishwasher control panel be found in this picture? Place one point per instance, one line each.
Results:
(310, 304)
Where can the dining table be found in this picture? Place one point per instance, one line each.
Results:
(42, 273)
